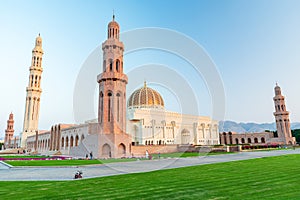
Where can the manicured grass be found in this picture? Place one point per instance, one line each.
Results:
(89, 162)
(121, 160)
(265, 178)
(187, 154)
(20, 156)
(52, 162)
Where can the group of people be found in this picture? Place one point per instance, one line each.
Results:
(87, 156)
(148, 156)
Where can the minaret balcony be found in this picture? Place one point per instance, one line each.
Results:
(37, 89)
(36, 68)
(281, 113)
(112, 76)
(111, 42)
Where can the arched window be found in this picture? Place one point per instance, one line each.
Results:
(117, 65)
(76, 140)
(72, 141)
(278, 106)
(109, 106)
(39, 81)
(32, 77)
(262, 140)
(104, 65)
(67, 141)
(62, 142)
(230, 138)
(35, 81)
(110, 65)
(255, 140)
(243, 141)
(101, 107)
(236, 141)
(225, 138)
(249, 140)
(282, 108)
(118, 107)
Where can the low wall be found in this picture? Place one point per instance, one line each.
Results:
(140, 151)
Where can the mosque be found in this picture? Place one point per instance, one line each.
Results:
(123, 128)
(283, 126)
(127, 127)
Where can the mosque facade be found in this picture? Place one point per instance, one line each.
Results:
(128, 127)
(121, 128)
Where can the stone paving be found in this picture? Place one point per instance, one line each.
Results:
(67, 173)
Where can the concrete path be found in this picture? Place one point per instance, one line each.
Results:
(67, 173)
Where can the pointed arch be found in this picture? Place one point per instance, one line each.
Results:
(117, 65)
(121, 149)
(106, 150)
(110, 65)
(72, 141)
(76, 140)
(243, 141)
(109, 113)
(255, 140)
(249, 140)
(118, 106)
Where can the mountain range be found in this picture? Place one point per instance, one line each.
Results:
(226, 126)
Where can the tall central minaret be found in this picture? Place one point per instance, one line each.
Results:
(112, 83)
(33, 93)
(114, 142)
(282, 118)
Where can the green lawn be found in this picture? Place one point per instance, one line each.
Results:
(89, 162)
(187, 154)
(23, 156)
(265, 178)
(52, 162)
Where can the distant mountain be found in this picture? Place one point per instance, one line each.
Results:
(226, 126)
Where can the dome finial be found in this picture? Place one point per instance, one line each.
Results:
(145, 84)
(113, 15)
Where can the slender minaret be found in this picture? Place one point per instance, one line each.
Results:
(33, 93)
(282, 118)
(9, 132)
(114, 142)
(112, 83)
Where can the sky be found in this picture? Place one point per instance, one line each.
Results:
(253, 44)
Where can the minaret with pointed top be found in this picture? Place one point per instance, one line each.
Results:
(9, 132)
(33, 93)
(282, 118)
(112, 95)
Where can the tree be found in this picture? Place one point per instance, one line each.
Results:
(296, 134)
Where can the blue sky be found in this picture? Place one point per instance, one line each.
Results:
(253, 44)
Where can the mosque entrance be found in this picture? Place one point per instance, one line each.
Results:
(121, 150)
(106, 150)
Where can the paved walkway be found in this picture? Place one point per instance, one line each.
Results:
(67, 173)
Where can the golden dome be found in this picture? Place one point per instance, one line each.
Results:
(145, 97)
